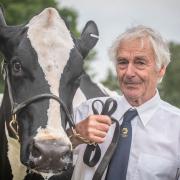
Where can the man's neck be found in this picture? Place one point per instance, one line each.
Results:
(135, 102)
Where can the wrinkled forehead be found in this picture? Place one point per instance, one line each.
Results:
(135, 42)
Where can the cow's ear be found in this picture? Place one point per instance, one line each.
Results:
(8, 35)
(2, 28)
(2, 19)
(89, 38)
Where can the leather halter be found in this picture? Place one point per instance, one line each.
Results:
(17, 107)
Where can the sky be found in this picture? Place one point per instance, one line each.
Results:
(113, 17)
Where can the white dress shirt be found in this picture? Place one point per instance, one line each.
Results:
(155, 148)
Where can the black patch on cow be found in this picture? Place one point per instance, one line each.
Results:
(89, 88)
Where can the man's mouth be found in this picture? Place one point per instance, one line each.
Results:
(131, 84)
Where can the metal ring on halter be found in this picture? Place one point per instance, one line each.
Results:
(13, 123)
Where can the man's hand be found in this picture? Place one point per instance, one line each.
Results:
(94, 128)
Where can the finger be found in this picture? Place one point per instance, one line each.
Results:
(98, 139)
(103, 127)
(99, 133)
(104, 119)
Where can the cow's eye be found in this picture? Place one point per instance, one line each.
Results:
(17, 66)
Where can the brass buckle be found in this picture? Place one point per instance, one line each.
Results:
(14, 126)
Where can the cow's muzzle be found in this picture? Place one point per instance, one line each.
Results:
(50, 156)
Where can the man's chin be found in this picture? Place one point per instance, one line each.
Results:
(131, 92)
(133, 97)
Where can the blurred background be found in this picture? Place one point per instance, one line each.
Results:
(112, 18)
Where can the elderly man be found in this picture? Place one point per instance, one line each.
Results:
(149, 144)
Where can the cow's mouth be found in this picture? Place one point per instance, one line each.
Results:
(50, 157)
(48, 174)
(51, 164)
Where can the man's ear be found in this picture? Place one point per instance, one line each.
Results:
(88, 39)
(162, 71)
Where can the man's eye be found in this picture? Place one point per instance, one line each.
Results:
(140, 62)
(122, 62)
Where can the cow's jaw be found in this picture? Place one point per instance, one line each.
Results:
(52, 42)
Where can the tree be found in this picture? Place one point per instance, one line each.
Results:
(19, 12)
(170, 86)
(111, 81)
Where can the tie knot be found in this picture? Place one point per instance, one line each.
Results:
(129, 115)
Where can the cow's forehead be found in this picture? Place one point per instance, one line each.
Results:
(49, 30)
(53, 43)
(48, 18)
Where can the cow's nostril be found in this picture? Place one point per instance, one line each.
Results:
(31, 164)
(35, 152)
(66, 157)
(50, 155)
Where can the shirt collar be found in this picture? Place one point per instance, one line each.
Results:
(123, 106)
(145, 111)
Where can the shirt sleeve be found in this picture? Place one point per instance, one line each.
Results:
(82, 112)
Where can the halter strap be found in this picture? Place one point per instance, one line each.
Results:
(108, 108)
(17, 107)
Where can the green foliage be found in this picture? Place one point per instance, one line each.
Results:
(71, 16)
(21, 11)
(170, 86)
(111, 81)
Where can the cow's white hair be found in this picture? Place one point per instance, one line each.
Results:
(53, 43)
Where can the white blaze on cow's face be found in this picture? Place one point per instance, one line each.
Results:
(52, 42)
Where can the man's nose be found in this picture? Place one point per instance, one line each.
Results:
(130, 70)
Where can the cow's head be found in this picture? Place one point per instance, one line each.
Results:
(43, 57)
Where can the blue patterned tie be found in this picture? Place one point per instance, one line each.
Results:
(118, 165)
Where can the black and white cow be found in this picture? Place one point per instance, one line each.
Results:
(41, 57)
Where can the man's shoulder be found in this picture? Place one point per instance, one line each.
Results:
(166, 106)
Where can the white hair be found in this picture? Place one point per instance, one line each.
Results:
(159, 45)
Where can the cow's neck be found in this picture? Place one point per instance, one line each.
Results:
(18, 169)
(10, 145)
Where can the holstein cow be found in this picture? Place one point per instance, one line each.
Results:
(43, 68)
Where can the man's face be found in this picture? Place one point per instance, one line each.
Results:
(137, 71)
